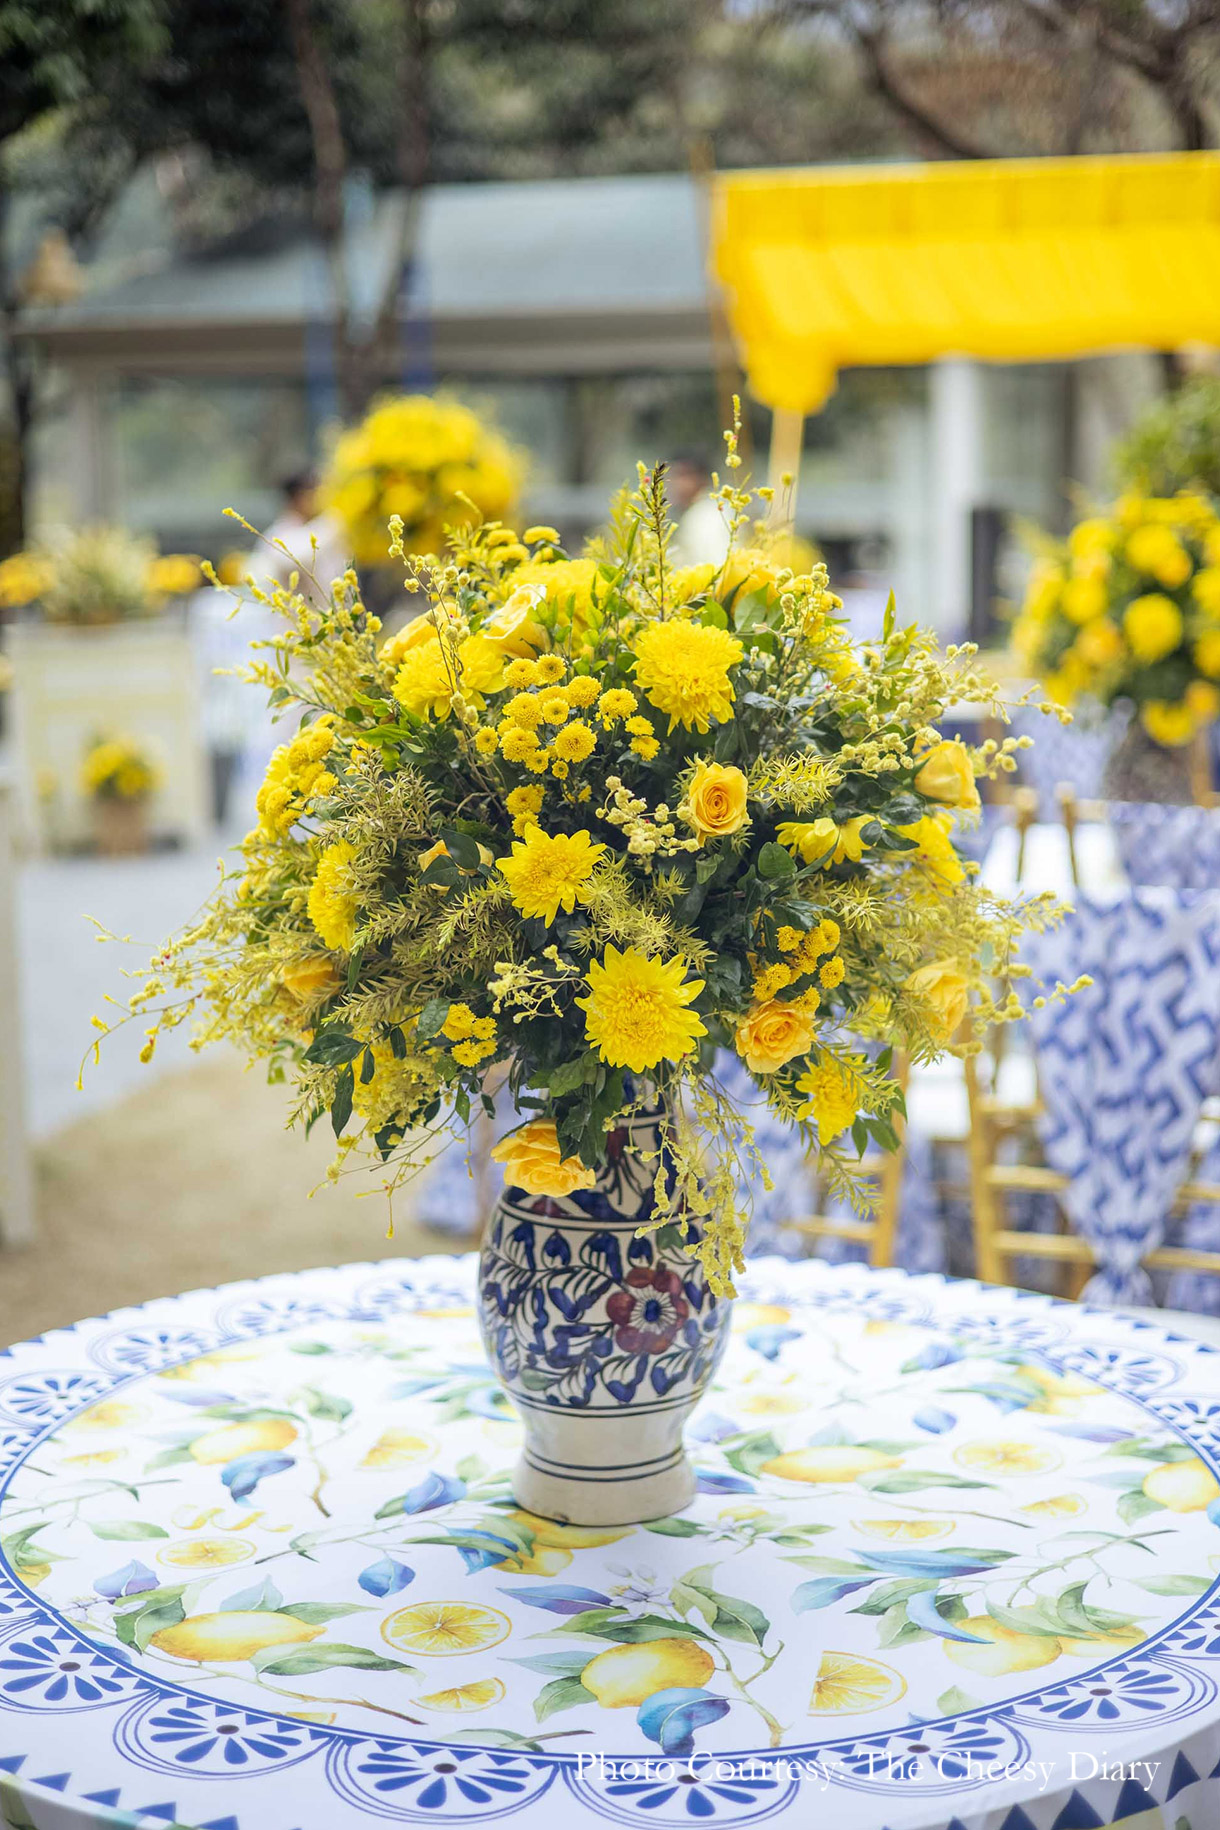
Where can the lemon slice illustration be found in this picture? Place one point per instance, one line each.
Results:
(1012, 1455)
(905, 1531)
(847, 1685)
(439, 1629)
(466, 1697)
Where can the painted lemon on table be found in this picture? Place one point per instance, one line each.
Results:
(569, 1537)
(441, 1629)
(905, 1531)
(1002, 1650)
(848, 1685)
(828, 1463)
(226, 1639)
(1182, 1486)
(626, 1676)
(264, 1437)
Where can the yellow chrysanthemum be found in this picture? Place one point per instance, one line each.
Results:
(574, 742)
(617, 702)
(581, 690)
(636, 1012)
(833, 1098)
(549, 669)
(1207, 654)
(1152, 626)
(555, 708)
(1157, 551)
(425, 683)
(683, 670)
(486, 742)
(517, 743)
(547, 872)
(1168, 724)
(332, 899)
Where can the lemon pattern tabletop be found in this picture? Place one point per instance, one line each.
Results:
(953, 1565)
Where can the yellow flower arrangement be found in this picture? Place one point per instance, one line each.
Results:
(118, 769)
(1128, 607)
(581, 825)
(431, 462)
(94, 575)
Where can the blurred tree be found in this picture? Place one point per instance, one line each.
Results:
(54, 55)
(1175, 443)
(967, 79)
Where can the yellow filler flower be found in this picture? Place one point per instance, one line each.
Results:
(547, 872)
(635, 1013)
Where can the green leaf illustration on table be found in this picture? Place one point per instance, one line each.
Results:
(271, 1662)
(727, 1615)
(126, 1531)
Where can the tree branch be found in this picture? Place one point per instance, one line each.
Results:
(942, 139)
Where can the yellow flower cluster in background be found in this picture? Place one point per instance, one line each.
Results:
(1128, 607)
(96, 574)
(431, 462)
(118, 769)
(584, 823)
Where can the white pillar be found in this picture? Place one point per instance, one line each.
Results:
(958, 484)
(92, 457)
(16, 1179)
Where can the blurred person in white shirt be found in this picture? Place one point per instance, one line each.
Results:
(702, 533)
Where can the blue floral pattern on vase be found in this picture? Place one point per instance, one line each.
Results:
(585, 1318)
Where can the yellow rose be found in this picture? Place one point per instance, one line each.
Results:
(715, 803)
(772, 1034)
(513, 627)
(314, 977)
(1152, 626)
(417, 634)
(532, 1161)
(943, 987)
(935, 852)
(947, 774)
(482, 662)
(1170, 725)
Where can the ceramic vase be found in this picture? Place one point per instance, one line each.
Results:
(604, 1340)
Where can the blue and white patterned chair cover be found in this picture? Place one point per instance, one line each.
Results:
(1074, 753)
(1124, 1066)
(1176, 846)
(920, 1242)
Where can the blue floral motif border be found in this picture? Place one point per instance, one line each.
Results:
(168, 1730)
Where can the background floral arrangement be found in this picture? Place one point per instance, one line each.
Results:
(97, 574)
(416, 457)
(118, 769)
(582, 824)
(1128, 607)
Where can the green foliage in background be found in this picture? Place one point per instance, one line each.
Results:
(1175, 443)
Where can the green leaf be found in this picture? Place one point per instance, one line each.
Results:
(168, 1458)
(341, 1104)
(148, 1621)
(1174, 1585)
(1136, 1505)
(955, 1702)
(127, 1531)
(1024, 1620)
(749, 1455)
(908, 1481)
(560, 1693)
(729, 1616)
(674, 1528)
(317, 1613)
(571, 1074)
(327, 1408)
(627, 1632)
(774, 862)
(431, 1017)
(332, 1047)
(461, 847)
(323, 1658)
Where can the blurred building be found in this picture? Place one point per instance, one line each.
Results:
(580, 312)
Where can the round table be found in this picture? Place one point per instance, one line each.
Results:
(953, 1563)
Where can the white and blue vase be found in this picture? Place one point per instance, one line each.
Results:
(604, 1340)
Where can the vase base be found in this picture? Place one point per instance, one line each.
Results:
(604, 1496)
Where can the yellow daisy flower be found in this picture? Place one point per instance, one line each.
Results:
(636, 1012)
(547, 872)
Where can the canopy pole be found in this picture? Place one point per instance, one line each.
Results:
(787, 433)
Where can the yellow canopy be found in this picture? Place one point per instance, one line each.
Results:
(1008, 260)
